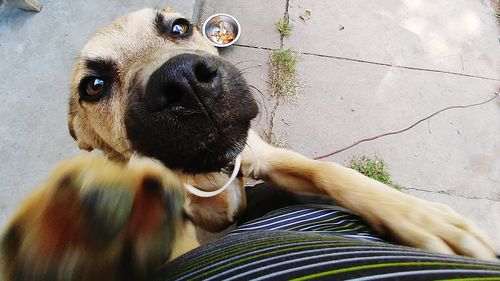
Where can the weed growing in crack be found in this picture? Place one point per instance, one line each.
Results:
(283, 82)
(374, 168)
(284, 27)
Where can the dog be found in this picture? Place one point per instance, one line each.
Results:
(152, 94)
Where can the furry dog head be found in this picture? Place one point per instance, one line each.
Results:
(149, 83)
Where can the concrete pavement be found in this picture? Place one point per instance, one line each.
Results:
(374, 67)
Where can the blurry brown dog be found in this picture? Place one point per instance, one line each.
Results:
(152, 94)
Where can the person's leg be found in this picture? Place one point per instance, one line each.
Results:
(291, 255)
(264, 198)
(317, 242)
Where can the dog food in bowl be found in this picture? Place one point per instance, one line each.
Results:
(222, 30)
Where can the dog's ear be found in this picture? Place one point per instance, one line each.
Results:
(168, 9)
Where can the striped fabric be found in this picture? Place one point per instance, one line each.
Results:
(324, 219)
(317, 243)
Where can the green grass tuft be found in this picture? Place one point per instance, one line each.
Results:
(373, 168)
(283, 69)
(285, 60)
(284, 27)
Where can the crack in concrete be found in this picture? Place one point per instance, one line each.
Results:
(254, 47)
(401, 66)
(269, 133)
(445, 192)
(378, 63)
(286, 16)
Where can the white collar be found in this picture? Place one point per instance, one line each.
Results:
(202, 193)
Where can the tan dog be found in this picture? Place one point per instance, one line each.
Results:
(150, 86)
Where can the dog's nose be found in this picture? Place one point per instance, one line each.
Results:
(185, 83)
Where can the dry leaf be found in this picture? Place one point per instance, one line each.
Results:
(168, 9)
(306, 15)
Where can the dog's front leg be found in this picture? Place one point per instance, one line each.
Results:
(410, 220)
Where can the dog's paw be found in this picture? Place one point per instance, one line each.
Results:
(97, 220)
(429, 226)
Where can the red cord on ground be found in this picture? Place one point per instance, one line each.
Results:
(407, 128)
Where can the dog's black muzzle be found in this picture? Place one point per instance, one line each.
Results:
(194, 113)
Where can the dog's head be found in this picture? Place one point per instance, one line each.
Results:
(150, 83)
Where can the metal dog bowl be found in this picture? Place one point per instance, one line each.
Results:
(222, 30)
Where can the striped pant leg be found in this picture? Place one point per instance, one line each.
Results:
(317, 243)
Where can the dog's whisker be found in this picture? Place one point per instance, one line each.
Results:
(257, 89)
(245, 61)
(205, 162)
(262, 102)
(249, 67)
(256, 76)
(249, 146)
(196, 183)
(262, 111)
(211, 179)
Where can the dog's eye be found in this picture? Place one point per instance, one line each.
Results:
(95, 86)
(92, 88)
(180, 27)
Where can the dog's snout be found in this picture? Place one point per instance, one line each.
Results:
(187, 82)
